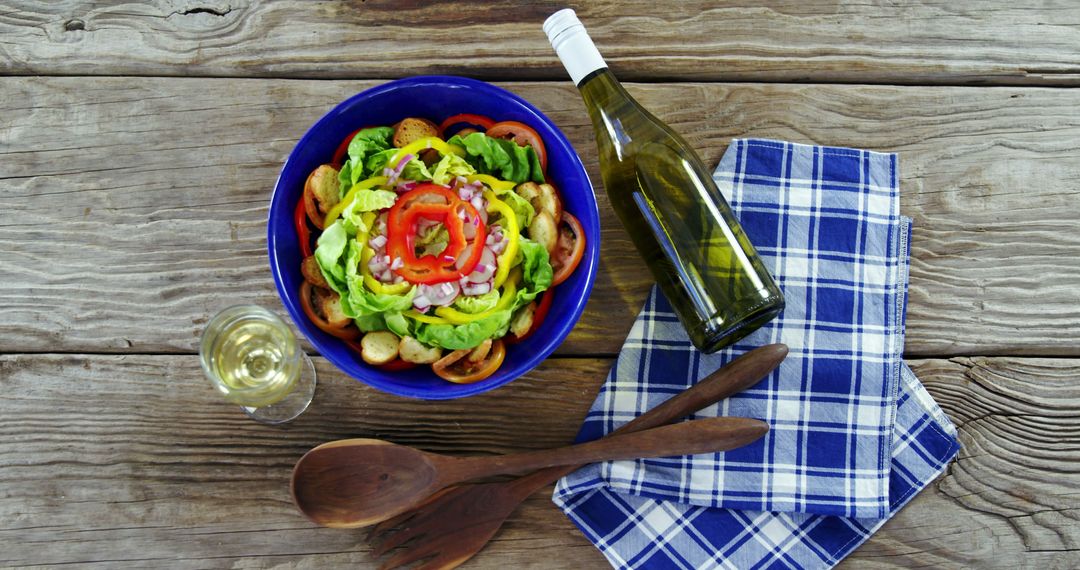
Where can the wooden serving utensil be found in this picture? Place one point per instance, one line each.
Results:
(452, 526)
(357, 482)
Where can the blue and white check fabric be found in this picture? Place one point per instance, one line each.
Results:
(853, 433)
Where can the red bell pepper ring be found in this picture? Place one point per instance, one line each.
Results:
(467, 118)
(401, 233)
(303, 233)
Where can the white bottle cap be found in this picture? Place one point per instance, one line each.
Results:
(573, 45)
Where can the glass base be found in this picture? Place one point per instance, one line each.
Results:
(291, 406)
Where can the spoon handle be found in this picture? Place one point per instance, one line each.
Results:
(736, 376)
(686, 438)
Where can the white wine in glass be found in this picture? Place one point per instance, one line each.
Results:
(253, 358)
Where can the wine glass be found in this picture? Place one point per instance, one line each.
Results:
(253, 358)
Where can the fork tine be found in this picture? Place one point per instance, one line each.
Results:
(392, 522)
(416, 552)
(388, 525)
(397, 539)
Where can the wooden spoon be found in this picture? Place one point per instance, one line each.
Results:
(357, 482)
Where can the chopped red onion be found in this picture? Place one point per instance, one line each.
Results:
(421, 302)
(477, 288)
(376, 265)
(398, 263)
(485, 269)
(466, 253)
(393, 175)
(441, 294)
(477, 202)
(377, 242)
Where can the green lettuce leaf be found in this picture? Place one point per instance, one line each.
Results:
(449, 167)
(536, 277)
(364, 144)
(536, 270)
(373, 200)
(521, 207)
(478, 303)
(433, 240)
(501, 158)
(397, 324)
(330, 254)
(361, 301)
(375, 163)
(415, 169)
(370, 323)
(455, 337)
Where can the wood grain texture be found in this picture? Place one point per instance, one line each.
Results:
(1009, 499)
(129, 461)
(132, 209)
(932, 41)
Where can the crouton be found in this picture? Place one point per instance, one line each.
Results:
(414, 351)
(412, 129)
(543, 231)
(379, 347)
(309, 268)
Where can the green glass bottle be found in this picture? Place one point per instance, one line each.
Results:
(669, 204)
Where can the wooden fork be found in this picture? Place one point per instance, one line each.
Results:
(455, 524)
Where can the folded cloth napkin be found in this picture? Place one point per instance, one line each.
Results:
(854, 434)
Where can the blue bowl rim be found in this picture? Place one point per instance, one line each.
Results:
(589, 263)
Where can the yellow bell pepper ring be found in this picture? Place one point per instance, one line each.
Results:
(511, 232)
(499, 186)
(351, 196)
(378, 287)
(456, 317)
(425, 143)
(418, 316)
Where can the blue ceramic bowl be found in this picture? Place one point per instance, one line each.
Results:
(435, 98)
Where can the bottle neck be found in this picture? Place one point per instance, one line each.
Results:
(573, 45)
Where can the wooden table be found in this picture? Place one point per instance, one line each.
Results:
(139, 143)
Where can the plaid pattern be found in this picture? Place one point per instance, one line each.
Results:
(847, 446)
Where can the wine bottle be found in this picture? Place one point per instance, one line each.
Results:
(669, 204)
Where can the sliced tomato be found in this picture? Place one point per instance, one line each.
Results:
(521, 134)
(345, 333)
(303, 233)
(461, 371)
(396, 365)
(342, 149)
(464, 118)
(569, 248)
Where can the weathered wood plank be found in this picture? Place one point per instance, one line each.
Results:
(1009, 500)
(132, 209)
(129, 461)
(790, 40)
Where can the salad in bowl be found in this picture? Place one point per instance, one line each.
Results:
(435, 244)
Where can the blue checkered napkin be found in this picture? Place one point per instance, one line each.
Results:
(826, 223)
(638, 532)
